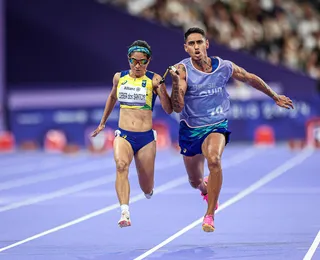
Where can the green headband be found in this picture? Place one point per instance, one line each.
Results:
(139, 49)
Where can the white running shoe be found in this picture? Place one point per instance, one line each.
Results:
(125, 219)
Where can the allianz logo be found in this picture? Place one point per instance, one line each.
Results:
(129, 88)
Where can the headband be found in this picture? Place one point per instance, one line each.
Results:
(139, 49)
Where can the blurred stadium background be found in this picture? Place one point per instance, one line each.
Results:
(58, 58)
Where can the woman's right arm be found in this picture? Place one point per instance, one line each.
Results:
(110, 103)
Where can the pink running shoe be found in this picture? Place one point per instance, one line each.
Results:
(207, 224)
(205, 197)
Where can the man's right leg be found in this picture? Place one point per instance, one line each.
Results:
(123, 155)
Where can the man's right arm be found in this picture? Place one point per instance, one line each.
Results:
(179, 88)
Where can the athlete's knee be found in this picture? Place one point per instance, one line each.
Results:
(195, 182)
(214, 162)
(122, 166)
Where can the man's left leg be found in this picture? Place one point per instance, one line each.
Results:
(212, 149)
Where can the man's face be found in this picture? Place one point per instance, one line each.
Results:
(138, 62)
(196, 45)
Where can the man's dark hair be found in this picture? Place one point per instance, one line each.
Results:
(142, 43)
(194, 30)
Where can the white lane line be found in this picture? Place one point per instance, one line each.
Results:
(57, 174)
(28, 159)
(241, 157)
(76, 188)
(59, 193)
(169, 185)
(39, 166)
(289, 164)
(161, 188)
(313, 248)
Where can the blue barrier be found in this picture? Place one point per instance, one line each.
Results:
(245, 117)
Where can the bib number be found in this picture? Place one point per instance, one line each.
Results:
(132, 95)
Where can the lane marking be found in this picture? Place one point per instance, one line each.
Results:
(169, 185)
(313, 248)
(289, 164)
(76, 188)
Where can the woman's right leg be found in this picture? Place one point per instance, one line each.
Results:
(123, 155)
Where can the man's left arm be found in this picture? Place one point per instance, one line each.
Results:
(253, 80)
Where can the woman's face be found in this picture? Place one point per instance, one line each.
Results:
(138, 62)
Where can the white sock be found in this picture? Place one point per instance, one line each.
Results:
(124, 207)
(148, 196)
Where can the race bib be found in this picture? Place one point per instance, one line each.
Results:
(131, 95)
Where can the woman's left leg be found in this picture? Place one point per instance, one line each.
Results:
(145, 161)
